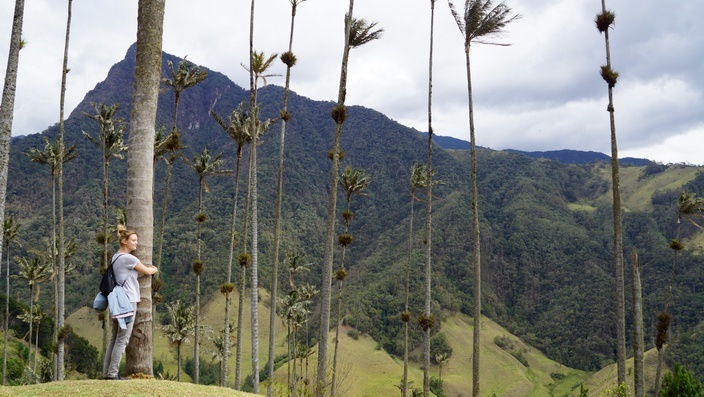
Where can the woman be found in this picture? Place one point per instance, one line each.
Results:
(126, 267)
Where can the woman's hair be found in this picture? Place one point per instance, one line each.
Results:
(123, 233)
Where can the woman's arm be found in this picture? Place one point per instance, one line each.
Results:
(148, 270)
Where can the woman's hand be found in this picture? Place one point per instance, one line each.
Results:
(147, 270)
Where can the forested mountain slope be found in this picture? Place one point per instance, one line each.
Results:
(546, 226)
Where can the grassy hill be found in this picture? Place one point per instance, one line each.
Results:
(364, 369)
(141, 387)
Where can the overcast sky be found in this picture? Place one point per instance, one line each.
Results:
(543, 92)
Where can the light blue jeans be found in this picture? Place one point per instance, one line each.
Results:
(116, 347)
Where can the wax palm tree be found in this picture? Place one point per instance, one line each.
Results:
(689, 208)
(481, 19)
(61, 265)
(293, 308)
(34, 271)
(604, 21)
(352, 182)
(205, 166)
(258, 65)
(255, 129)
(140, 170)
(441, 359)
(167, 148)
(35, 318)
(185, 76)
(419, 180)
(110, 142)
(51, 156)
(179, 329)
(9, 233)
(289, 59)
(357, 33)
(426, 320)
(237, 129)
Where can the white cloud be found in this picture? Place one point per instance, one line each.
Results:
(543, 92)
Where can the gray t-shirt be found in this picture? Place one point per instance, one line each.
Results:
(123, 266)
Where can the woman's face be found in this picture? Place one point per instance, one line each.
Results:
(131, 242)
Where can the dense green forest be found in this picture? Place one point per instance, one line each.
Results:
(546, 228)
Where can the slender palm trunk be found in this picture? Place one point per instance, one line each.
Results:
(277, 225)
(6, 109)
(618, 228)
(638, 342)
(164, 208)
(36, 345)
(106, 164)
(196, 337)
(321, 380)
(477, 307)
(428, 214)
(665, 332)
(337, 338)
(140, 172)
(7, 315)
(404, 381)
(54, 279)
(8, 103)
(243, 279)
(31, 321)
(178, 360)
(61, 268)
(228, 298)
(253, 187)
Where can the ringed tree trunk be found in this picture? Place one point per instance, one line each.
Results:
(58, 173)
(140, 172)
(7, 107)
(326, 290)
(477, 268)
(427, 319)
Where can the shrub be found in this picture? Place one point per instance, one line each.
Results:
(680, 383)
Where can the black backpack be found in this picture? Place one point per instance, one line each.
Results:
(108, 282)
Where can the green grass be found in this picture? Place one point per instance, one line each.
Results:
(141, 387)
(636, 194)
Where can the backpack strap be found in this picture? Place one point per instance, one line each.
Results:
(111, 263)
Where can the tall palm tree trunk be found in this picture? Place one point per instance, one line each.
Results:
(243, 278)
(228, 298)
(197, 269)
(61, 267)
(617, 215)
(36, 345)
(279, 200)
(337, 338)
(31, 322)
(428, 215)
(140, 171)
(406, 316)
(7, 317)
(253, 190)
(8, 102)
(330, 224)
(638, 342)
(477, 307)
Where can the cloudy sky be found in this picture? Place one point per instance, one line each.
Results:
(543, 92)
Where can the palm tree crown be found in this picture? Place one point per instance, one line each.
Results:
(482, 19)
